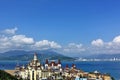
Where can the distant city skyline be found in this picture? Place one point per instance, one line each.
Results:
(67, 26)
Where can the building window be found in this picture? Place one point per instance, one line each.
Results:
(32, 75)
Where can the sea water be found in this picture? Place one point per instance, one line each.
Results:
(111, 67)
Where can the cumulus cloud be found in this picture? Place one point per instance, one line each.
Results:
(98, 42)
(99, 46)
(14, 41)
(10, 31)
(22, 39)
(116, 39)
(45, 44)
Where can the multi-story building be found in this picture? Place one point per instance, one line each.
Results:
(36, 71)
(53, 71)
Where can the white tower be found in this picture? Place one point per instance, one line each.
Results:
(35, 56)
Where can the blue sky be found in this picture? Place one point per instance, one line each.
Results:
(63, 21)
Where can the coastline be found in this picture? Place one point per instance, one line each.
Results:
(11, 72)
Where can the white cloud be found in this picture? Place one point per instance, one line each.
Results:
(10, 31)
(98, 42)
(11, 41)
(25, 43)
(14, 41)
(5, 43)
(45, 44)
(99, 46)
(116, 39)
(22, 39)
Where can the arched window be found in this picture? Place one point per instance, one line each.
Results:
(32, 75)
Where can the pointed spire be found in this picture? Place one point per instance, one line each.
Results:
(23, 66)
(73, 65)
(59, 62)
(46, 61)
(66, 65)
(35, 56)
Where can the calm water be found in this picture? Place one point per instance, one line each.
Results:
(104, 67)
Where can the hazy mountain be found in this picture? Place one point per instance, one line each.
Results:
(28, 55)
(105, 56)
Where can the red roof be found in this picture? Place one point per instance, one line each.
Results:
(54, 64)
(46, 61)
(66, 65)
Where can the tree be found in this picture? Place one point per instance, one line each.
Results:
(6, 76)
(112, 78)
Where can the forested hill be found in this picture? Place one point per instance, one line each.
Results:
(28, 55)
(6, 76)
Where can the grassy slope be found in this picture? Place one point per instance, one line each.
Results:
(6, 76)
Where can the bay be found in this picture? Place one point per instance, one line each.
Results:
(111, 67)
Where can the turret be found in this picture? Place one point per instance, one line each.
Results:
(59, 63)
(67, 67)
(73, 66)
(35, 56)
(23, 67)
(46, 64)
(46, 61)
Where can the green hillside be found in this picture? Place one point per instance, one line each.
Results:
(6, 76)
(28, 55)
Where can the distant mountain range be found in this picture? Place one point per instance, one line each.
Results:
(99, 56)
(105, 56)
(28, 55)
(48, 54)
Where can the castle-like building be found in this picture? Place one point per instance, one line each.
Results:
(54, 71)
(36, 71)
